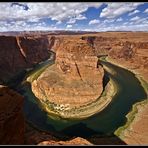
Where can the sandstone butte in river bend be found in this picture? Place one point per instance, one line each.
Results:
(75, 79)
(128, 49)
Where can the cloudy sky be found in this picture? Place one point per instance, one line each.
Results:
(74, 16)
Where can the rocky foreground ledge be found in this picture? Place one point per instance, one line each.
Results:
(11, 117)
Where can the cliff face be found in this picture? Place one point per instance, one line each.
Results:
(35, 49)
(11, 117)
(52, 41)
(75, 79)
(132, 55)
(19, 53)
(127, 49)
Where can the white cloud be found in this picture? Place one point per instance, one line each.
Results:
(125, 23)
(36, 11)
(55, 11)
(135, 18)
(59, 22)
(140, 20)
(92, 22)
(71, 21)
(16, 18)
(22, 26)
(78, 17)
(146, 10)
(108, 20)
(124, 27)
(134, 12)
(131, 23)
(119, 19)
(33, 19)
(69, 26)
(114, 10)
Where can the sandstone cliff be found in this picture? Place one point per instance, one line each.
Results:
(75, 79)
(132, 55)
(128, 49)
(11, 117)
(19, 53)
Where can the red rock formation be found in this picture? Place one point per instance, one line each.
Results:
(35, 49)
(75, 141)
(51, 40)
(128, 49)
(11, 59)
(75, 79)
(19, 53)
(11, 117)
(137, 132)
(132, 55)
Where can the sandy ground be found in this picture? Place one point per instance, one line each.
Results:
(137, 133)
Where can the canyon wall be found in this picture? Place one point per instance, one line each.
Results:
(19, 53)
(132, 55)
(128, 49)
(11, 117)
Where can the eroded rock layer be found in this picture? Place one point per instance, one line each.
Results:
(19, 53)
(128, 49)
(75, 141)
(11, 117)
(137, 132)
(76, 78)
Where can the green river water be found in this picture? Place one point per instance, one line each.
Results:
(106, 122)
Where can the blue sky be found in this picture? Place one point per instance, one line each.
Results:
(113, 16)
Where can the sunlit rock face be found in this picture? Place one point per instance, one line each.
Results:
(19, 53)
(75, 79)
(75, 141)
(128, 49)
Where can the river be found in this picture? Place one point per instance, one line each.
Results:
(129, 91)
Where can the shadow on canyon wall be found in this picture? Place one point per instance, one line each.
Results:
(81, 130)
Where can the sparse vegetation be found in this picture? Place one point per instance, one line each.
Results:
(85, 110)
(132, 114)
(35, 74)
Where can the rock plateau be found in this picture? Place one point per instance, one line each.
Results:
(75, 79)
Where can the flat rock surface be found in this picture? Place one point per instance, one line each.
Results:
(137, 133)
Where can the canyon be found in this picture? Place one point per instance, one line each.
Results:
(76, 78)
(19, 53)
